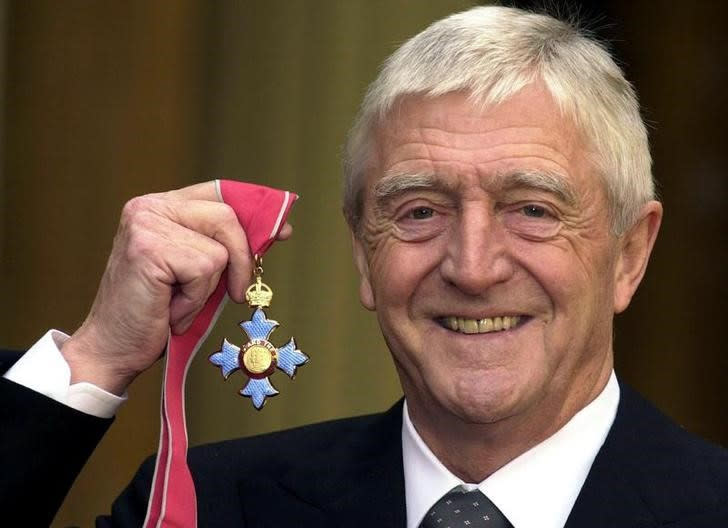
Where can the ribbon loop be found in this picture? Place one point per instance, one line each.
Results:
(262, 212)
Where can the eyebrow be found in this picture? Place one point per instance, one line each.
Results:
(394, 184)
(542, 180)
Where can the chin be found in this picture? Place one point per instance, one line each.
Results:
(483, 403)
(484, 414)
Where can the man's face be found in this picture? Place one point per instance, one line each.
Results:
(486, 252)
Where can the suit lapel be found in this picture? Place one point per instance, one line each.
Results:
(360, 483)
(376, 495)
(615, 494)
(608, 499)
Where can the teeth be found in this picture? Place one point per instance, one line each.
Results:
(484, 325)
(470, 326)
(481, 326)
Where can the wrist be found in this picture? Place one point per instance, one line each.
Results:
(88, 362)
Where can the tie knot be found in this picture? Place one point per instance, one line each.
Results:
(464, 509)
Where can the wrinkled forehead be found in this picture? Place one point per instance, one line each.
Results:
(531, 104)
(421, 131)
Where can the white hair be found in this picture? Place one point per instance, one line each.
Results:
(493, 52)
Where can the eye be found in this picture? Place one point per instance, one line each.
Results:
(421, 221)
(534, 211)
(421, 213)
(534, 221)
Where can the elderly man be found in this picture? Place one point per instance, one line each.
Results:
(499, 193)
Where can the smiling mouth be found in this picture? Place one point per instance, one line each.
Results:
(481, 326)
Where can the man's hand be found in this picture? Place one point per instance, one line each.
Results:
(168, 255)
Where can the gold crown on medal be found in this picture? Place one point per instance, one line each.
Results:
(258, 294)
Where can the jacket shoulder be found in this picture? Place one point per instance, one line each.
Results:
(660, 443)
(651, 465)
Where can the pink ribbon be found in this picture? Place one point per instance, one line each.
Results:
(262, 212)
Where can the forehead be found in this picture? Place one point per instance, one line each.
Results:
(452, 136)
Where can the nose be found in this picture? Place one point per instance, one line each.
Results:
(477, 254)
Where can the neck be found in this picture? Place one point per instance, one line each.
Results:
(473, 451)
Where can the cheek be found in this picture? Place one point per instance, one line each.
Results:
(578, 286)
(399, 270)
(560, 275)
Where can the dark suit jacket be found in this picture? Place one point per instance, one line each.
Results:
(349, 473)
(43, 446)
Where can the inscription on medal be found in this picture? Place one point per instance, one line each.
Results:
(257, 359)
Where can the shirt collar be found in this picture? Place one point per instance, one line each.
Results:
(537, 488)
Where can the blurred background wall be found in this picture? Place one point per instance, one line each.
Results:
(107, 100)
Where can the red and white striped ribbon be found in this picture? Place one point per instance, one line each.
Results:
(262, 212)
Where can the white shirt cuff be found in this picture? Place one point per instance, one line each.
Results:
(43, 369)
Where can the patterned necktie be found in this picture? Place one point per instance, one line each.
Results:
(464, 509)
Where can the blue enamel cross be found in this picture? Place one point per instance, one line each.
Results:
(258, 358)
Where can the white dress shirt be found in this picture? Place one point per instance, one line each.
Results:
(44, 369)
(535, 490)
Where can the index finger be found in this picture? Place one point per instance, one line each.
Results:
(200, 191)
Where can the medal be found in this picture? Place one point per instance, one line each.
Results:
(258, 358)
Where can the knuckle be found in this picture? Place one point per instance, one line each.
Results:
(206, 267)
(226, 225)
(140, 244)
(137, 208)
(141, 240)
(210, 261)
(228, 216)
(132, 207)
(218, 257)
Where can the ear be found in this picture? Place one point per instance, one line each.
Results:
(366, 294)
(635, 248)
